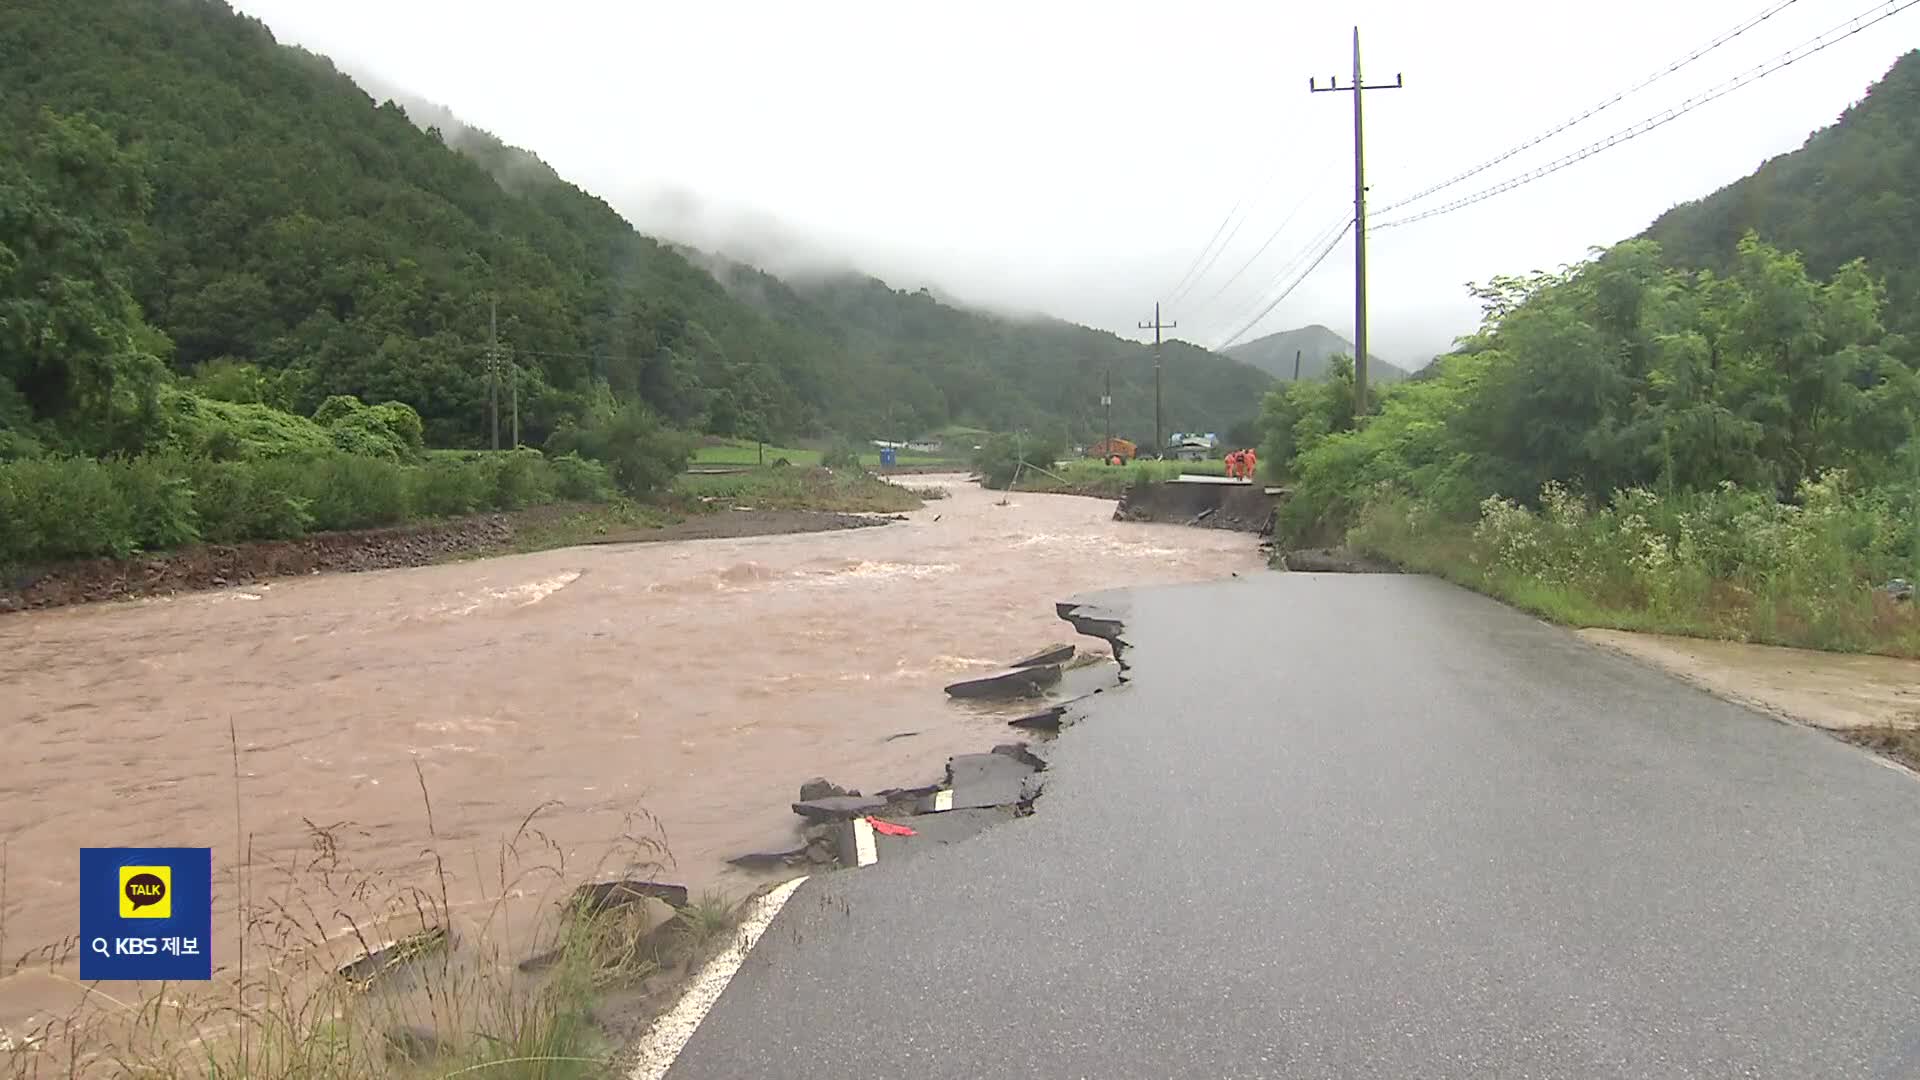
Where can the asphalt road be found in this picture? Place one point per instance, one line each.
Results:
(1372, 826)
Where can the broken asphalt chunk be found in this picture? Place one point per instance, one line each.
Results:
(1020, 682)
(606, 895)
(1099, 619)
(1044, 720)
(820, 788)
(1057, 653)
(838, 807)
(981, 780)
(769, 860)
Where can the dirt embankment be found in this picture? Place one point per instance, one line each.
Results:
(214, 566)
(1240, 507)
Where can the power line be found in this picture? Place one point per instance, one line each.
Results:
(1304, 274)
(1710, 46)
(1191, 267)
(1799, 52)
(1180, 292)
(1275, 235)
(1196, 272)
(1321, 237)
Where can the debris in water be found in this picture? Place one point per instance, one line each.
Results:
(838, 807)
(607, 895)
(1020, 682)
(1057, 653)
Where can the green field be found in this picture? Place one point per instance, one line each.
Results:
(794, 488)
(722, 452)
(1090, 476)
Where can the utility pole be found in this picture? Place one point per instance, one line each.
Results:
(1357, 89)
(1106, 399)
(1159, 437)
(1296, 364)
(493, 371)
(513, 367)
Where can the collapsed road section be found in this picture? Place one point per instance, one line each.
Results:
(843, 827)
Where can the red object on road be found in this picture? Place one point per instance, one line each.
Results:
(888, 828)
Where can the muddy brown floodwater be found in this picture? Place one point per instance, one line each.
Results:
(698, 681)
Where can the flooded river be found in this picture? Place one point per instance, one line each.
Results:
(699, 682)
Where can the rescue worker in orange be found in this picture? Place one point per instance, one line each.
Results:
(1233, 465)
(1250, 461)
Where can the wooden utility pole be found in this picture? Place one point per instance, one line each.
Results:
(1106, 400)
(1296, 364)
(1159, 436)
(493, 371)
(1357, 88)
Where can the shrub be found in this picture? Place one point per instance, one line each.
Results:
(449, 485)
(577, 478)
(844, 455)
(346, 491)
(520, 478)
(390, 430)
(1003, 456)
(62, 508)
(234, 502)
(159, 498)
(642, 454)
(226, 431)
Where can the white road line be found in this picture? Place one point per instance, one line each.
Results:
(864, 853)
(662, 1043)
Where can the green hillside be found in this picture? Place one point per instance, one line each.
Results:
(1849, 192)
(256, 207)
(1315, 346)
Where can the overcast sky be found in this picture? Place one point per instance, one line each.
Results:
(1075, 158)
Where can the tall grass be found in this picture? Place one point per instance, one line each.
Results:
(63, 508)
(349, 975)
(1728, 562)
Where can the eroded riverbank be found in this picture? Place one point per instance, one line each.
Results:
(699, 682)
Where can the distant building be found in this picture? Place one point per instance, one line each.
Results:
(1192, 448)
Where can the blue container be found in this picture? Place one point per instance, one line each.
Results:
(887, 456)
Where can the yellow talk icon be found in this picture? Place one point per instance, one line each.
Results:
(146, 892)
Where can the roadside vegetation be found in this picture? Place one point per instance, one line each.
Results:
(348, 974)
(1626, 444)
(849, 491)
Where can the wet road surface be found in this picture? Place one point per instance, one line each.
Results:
(1372, 826)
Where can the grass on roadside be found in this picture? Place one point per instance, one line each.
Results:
(843, 491)
(475, 995)
(1090, 476)
(1569, 569)
(1901, 743)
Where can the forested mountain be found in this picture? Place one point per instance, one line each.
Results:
(257, 206)
(1850, 192)
(1316, 345)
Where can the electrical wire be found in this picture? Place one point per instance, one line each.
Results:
(1595, 110)
(1321, 237)
(1304, 274)
(1196, 272)
(1288, 220)
(1799, 52)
